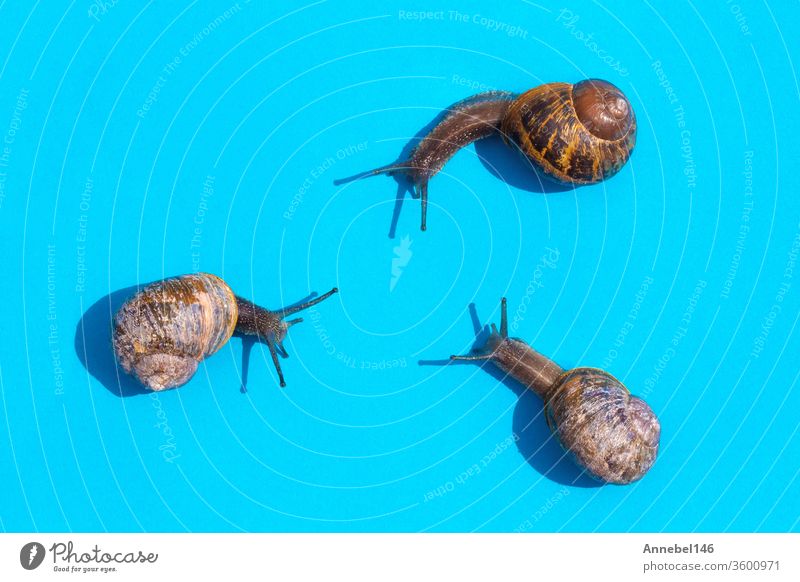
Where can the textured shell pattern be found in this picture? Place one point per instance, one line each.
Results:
(613, 434)
(162, 332)
(543, 123)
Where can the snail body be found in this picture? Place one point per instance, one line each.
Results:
(609, 432)
(162, 333)
(576, 134)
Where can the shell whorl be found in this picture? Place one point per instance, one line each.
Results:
(580, 134)
(610, 432)
(162, 332)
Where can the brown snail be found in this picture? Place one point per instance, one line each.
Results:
(576, 134)
(163, 331)
(609, 432)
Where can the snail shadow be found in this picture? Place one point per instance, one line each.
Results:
(248, 342)
(94, 348)
(508, 164)
(537, 445)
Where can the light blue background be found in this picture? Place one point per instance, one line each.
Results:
(274, 102)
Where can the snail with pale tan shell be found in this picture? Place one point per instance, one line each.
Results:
(576, 134)
(163, 331)
(609, 432)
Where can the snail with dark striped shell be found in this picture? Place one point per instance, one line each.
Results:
(609, 432)
(576, 134)
(167, 328)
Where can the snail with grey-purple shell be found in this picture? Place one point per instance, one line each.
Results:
(162, 333)
(609, 432)
(576, 134)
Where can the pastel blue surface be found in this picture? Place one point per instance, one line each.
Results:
(141, 142)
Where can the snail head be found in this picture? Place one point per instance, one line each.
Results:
(271, 326)
(497, 341)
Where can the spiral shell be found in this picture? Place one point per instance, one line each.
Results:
(579, 134)
(611, 433)
(162, 332)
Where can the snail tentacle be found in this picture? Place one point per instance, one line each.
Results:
(276, 362)
(473, 358)
(389, 169)
(487, 352)
(423, 194)
(311, 303)
(503, 318)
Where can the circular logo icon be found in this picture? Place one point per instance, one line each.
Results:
(31, 555)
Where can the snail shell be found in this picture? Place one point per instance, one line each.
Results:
(162, 332)
(613, 434)
(579, 134)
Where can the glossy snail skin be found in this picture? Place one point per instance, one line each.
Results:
(609, 432)
(576, 134)
(163, 332)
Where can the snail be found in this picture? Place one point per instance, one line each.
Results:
(609, 432)
(163, 331)
(576, 134)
